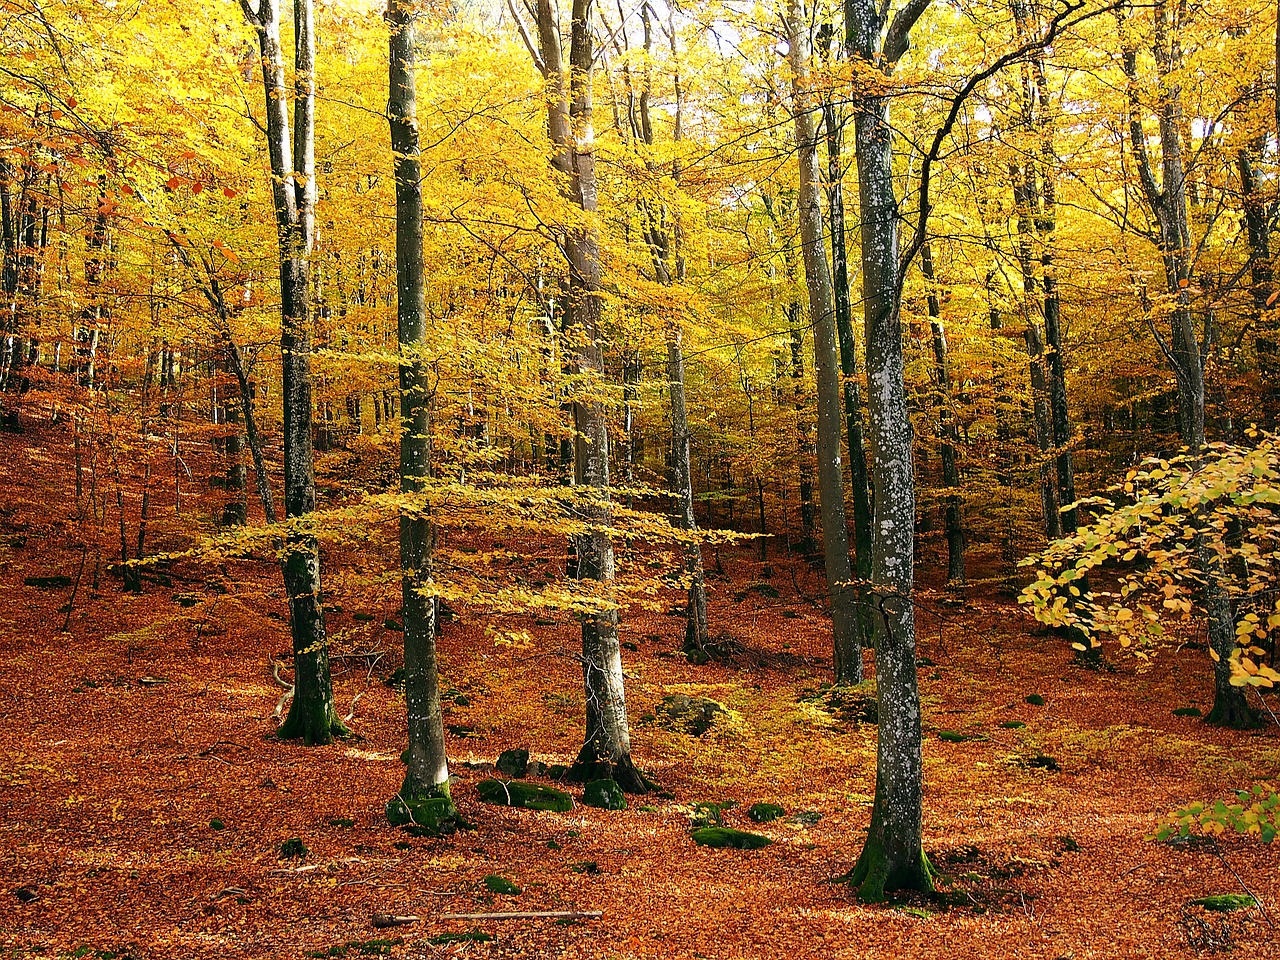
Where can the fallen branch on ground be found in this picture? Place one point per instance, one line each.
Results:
(533, 915)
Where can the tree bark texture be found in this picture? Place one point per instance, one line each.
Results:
(893, 856)
(835, 529)
(312, 716)
(426, 759)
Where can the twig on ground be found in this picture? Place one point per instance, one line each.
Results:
(530, 915)
(383, 920)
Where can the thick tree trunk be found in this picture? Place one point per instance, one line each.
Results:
(312, 716)
(423, 800)
(835, 529)
(893, 856)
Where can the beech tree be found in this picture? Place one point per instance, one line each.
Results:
(423, 801)
(606, 748)
(312, 716)
(835, 528)
(893, 857)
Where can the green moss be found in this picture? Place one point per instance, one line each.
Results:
(729, 837)
(216, 824)
(1187, 712)
(342, 822)
(501, 885)
(530, 796)
(293, 849)
(426, 815)
(764, 812)
(952, 736)
(1035, 700)
(1013, 724)
(471, 936)
(1224, 902)
(604, 795)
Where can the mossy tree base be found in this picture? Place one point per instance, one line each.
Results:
(590, 766)
(315, 724)
(1233, 711)
(874, 877)
(428, 813)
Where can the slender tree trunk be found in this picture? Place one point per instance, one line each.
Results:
(312, 716)
(606, 748)
(1167, 202)
(1266, 338)
(859, 483)
(835, 529)
(893, 856)
(423, 801)
(950, 433)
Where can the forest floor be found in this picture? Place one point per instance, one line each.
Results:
(128, 738)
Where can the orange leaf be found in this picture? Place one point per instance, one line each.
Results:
(197, 187)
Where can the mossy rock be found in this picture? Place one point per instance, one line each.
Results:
(513, 763)
(396, 680)
(604, 795)
(501, 885)
(1013, 724)
(765, 590)
(1225, 902)
(729, 837)
(952, 736)
(433, 816)
(1187, 712)
(342, 822)
(394, 625)
(1035, 700)
(216, 824)
(685, 714)
(293, 849)
(765, 812)
(530, 796)
(709, 814)
(363, 617)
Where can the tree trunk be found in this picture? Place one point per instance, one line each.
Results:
(835, 529)
(423, 801)
(893, 856)
(312, 716)
(606, 748)
(1167, 202)
(947, 423)
(860, 489)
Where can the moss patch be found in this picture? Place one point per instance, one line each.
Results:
(530, 796)
(764, 812)
(729, 837)
(429, 816)
(604, 795)
(496, 884)
(1225, 902)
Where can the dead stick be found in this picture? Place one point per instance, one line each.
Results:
(383, 920)
(535, 915)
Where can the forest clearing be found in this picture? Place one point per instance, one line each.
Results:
(768, 478)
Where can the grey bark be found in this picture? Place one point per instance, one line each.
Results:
(312, 716)
(835, 529)
(1166, 201)
(606, 749)
(893, 856)
(954, 515)
(426, 759)
(859, 483)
